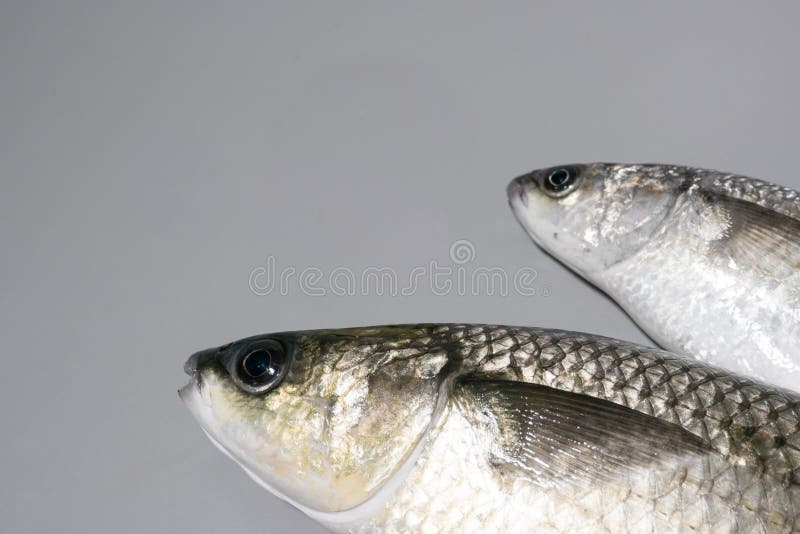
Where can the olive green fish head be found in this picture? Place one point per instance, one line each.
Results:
(323, 419)
(591, 216)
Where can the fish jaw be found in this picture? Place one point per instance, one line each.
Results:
(538, 217)
(199, 403)
(266, 470)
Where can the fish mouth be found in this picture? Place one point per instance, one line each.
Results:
(196, 399)
(515, 191)
(519, 202)
(194, 384)
(520, 191)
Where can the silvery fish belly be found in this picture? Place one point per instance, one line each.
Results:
(476, 428)
(705, 262)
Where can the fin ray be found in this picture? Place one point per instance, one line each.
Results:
(551, 435)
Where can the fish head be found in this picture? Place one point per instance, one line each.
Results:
(591, 216)
(323, 419)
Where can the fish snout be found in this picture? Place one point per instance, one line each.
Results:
(517, 191)
(197, 360)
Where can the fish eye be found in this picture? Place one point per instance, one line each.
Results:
(560, 180)
(260, 367)
(258, 363)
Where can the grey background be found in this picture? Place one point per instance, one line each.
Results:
(154, 153)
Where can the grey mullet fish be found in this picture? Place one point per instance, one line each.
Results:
(707, 263)
(476, 428)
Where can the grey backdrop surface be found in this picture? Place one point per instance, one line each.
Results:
(154, 153)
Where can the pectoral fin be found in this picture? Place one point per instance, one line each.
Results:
(756, 238)
(553, 436)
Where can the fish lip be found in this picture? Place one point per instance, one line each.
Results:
(186, 391)
(192, 394)
(516, 192)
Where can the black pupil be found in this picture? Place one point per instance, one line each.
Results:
(559, 178)
(259, 363)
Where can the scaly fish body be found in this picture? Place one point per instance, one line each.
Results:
(707, 263)
(475, 428)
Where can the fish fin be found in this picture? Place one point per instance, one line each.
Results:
(756, 238)
(551, 436)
